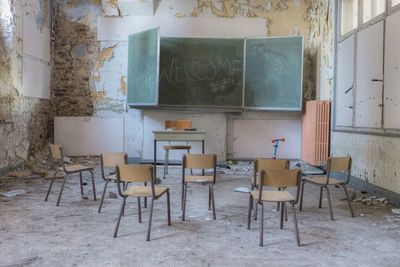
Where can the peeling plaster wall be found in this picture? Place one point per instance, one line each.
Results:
(89, 77)
(24, 121)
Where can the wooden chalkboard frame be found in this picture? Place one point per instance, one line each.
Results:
(156, 98)
(301, 78)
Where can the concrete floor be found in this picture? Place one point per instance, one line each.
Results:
(37, 233)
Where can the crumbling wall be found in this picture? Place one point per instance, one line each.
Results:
(24, 121)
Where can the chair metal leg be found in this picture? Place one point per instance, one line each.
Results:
(301, 195)
(168, 208)
(213, 201)
(282, 214)
(209, 196)
(255, 211)
(150, 218)
(102, 197)
(81, 183)
(51, 184)
(94, 186)
(320, 197)
(184, 201)
(119, 217)
(348, 200)
(249, 212)
(295, 224)
(139, 210)
(166, 163)
(278, 204)
(284, 204)
(262, 226)
(61, 190)
(182, 195)
(329, 202)
(191, 171)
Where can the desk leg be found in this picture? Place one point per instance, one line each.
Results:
(202, 151)
(155, 161)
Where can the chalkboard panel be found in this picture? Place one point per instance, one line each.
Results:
(143, 56)
(201, 72)
(273, 73)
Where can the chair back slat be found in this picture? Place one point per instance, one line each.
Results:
(199, 161)
(113, 159)
(178, 124)
(56, 151)
(281, 178)
(270, 164)
(135, 173)
(339, 164)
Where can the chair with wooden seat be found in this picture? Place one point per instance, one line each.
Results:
(201, 162)
(175, 125)
(57, 154)
(129, 173)
(334, 164)
(110, 160)
(279, 179)
(267, 164)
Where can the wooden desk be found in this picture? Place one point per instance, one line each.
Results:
(190, 136)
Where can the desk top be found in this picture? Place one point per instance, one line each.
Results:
(179, 135)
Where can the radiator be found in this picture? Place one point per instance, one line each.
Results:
(315, 128)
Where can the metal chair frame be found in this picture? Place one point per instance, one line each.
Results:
(143, 173)
(332, 161)
(57, 153)
(278, 180)
(198, 164)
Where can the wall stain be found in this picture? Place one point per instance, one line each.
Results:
(123, 86)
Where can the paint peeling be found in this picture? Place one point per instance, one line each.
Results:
(179, 15)
(104, 56)
(123, 86)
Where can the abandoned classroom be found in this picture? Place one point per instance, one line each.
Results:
(199, 133)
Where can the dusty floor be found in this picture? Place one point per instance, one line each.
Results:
(37, 233)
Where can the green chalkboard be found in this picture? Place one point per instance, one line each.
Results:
(273, 73)
(143, 52)
(201, 72)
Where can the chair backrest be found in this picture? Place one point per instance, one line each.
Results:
(56, 151)
(269, 164)
(199, 161)
(178, 124)
(134, 173)
(281, 178)
(112, 160)
(338, 164)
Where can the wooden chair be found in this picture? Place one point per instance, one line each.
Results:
(334, 164)
(177, 125)
(110, 160)
(57, 154)
(267, 164)
(199, 161)
(280, 179)
(128, 173)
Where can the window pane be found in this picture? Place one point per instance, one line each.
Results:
(395, 2)
(349, 15)
(372, 8)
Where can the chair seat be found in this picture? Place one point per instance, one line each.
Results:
(177, 147)
(273, 196)
(199, 179)
(321, 180)
(144, 191)
(77, 168)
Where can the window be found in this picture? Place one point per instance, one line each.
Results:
(395, 2)
(372, 8)
(349, 15)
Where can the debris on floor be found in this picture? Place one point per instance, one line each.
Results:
(19, 174)
(13, 193)
(112, 195)
(372, 200)
(242, 190)
(396, 211)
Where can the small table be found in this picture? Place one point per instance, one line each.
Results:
(176, 135)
